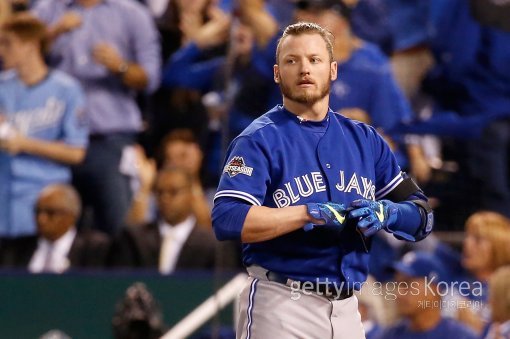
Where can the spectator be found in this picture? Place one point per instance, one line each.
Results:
(179, 148)
(58, 245)
(365, 89)
(419, 301)
(485, 249)
(42, 123)
(175, 241)
(112, 48)
(500, 304)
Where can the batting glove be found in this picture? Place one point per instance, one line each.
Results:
(332, 214)
(373, 215)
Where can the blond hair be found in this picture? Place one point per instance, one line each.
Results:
(499, 290)
(301, 28)
(495, 228)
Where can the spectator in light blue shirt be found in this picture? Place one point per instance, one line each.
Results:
(42, 125)
(112, 47)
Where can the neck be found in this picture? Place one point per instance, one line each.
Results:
(313, 112)
(89, 3)
(482, 274)
(176, 221)
(425, 319)
(33, 71)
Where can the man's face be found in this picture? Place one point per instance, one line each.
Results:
(304, 71)
(13, 50)
(413, 295)
(476, 252)
(53, 216)
(184, 154)
(174, 197)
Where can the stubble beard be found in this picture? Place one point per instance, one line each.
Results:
(305, 97)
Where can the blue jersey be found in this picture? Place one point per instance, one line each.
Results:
(280, 161)
(51, 110)
(447, 328)
(365, 81)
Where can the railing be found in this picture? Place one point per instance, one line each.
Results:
(207, 309)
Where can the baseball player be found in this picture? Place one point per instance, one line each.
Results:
(304, 189)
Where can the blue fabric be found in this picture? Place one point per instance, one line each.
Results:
(129, 28)
(251, 89)
(409, 21)
(365, 81)
(101, 185)
(446, 329)
(230, 213)
(280, 161)
(52, 110)
(370, 22)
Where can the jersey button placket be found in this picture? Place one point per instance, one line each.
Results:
(328, 166)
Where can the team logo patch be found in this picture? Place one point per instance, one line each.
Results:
(236, 166)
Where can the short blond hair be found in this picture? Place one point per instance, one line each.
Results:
(495, 228)
(301, 28)
(499, 291)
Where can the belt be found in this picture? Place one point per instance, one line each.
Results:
(112, 136)
(328, 289)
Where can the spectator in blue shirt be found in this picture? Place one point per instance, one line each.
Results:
(42, 126)
(112, 48)
(419, 302)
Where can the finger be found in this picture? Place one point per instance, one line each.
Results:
(371, 231)
(359, 212)
(308, 227)
(366, 222)
(360, 203)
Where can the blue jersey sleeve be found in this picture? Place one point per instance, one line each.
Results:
(184, 69)
(387, 172)
(246, 174)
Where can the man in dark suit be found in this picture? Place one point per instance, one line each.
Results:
(175, 240)
(58, 245)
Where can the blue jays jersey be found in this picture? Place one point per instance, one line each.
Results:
(280, 160)
(51, 110)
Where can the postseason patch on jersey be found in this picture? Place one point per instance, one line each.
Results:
(237, 166)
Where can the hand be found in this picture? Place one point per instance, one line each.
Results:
(355, 113)
(146, 169)
(14, 143)
(68, 22)
(106, 55)
(373, 215)
(329, 213)
(214, 32)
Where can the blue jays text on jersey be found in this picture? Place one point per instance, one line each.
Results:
(281, 160)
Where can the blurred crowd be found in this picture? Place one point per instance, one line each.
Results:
(115, 116)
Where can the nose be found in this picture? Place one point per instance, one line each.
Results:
(305, 67)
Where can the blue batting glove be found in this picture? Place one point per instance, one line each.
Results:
(373, 215)
(332, 214)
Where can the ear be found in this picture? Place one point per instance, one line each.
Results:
(276, 74)
(334, 70)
